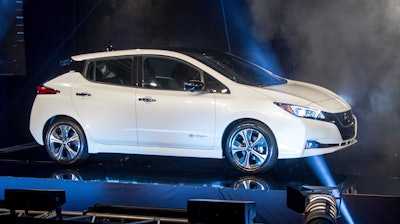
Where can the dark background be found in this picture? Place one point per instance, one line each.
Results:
(350, 47)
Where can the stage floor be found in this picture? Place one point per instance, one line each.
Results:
(371, 194)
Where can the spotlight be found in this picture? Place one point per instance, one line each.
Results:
(317, 203)
(321, 208)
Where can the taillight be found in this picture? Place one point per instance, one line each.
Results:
(46, 90)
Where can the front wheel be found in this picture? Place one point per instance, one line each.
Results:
(251, 147)
(65, 142)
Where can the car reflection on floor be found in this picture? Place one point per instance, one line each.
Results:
(133, 169)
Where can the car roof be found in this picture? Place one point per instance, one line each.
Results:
(166, 51)
(104, 54)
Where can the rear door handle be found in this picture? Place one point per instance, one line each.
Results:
(83, 94)
(147, 99)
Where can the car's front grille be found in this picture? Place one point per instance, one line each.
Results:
(345, 123)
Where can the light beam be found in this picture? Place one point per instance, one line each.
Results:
(321, 169)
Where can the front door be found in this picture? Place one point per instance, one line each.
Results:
(167, 114)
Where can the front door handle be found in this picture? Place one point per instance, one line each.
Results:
(147, 99)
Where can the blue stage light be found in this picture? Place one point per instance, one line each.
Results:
(321, 169)
(243, 42)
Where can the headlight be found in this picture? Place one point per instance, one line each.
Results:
(301, 111)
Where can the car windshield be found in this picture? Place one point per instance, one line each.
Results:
(239, 70)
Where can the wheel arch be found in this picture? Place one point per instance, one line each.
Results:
(55, 118)
(234, 123)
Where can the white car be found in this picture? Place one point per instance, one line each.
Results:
(189, 104)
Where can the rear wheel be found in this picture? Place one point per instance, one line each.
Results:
(65, 142)
(251, 147)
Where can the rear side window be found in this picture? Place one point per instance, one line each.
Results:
(116, 71)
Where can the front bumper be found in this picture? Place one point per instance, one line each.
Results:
(331, 148)
(318, 137)
(346, 128)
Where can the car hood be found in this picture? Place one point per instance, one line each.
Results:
(305, 94)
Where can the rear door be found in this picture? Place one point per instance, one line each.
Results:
(106, 101)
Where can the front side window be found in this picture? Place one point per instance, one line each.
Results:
(166, 73)
(170, 74)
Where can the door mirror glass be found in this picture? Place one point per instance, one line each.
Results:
(194, 85)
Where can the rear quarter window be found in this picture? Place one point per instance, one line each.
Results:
(71, 65)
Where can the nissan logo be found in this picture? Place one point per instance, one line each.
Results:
(346, 117)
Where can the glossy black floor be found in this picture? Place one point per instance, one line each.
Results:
(369, 188)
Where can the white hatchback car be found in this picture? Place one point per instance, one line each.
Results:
(188, 104)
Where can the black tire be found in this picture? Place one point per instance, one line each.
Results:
(65, 142)
(251, 147)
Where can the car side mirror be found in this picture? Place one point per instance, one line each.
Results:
(193, 85)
